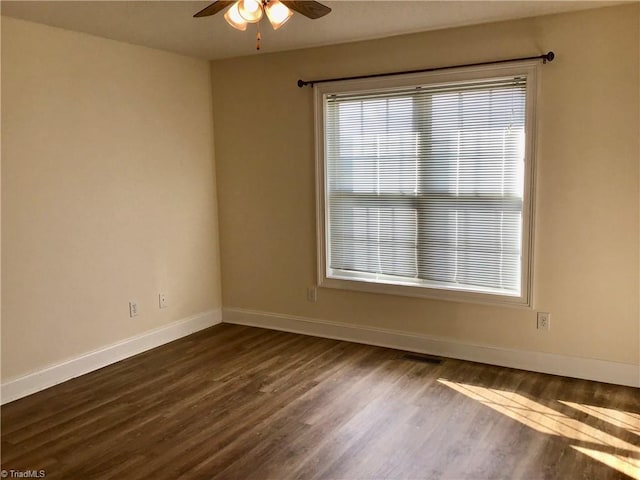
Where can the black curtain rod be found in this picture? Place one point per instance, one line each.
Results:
(547, 57)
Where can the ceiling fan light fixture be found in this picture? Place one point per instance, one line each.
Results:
(278, 13)
(250, 10)
(234, 18)
(242, 12)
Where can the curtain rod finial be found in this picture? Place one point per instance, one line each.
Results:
(549, 57)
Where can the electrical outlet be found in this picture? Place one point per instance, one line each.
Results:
(544, 321)
(312, 294)
(162, 300)
(133, 308)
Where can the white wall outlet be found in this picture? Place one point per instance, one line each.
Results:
(312, 294)
(544, 321)
(162, 300)
(133, 308)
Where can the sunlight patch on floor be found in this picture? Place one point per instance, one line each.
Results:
(620, 454)
(620, 463)
(627, 420)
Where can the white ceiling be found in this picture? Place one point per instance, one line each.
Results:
(169, 25)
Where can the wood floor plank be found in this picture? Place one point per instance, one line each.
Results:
(235, 402)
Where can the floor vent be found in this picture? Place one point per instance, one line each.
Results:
(414, 357)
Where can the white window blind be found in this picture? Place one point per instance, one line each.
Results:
(424, 186)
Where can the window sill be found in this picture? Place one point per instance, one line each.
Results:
(432, 293)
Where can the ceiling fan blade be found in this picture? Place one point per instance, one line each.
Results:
(214, 8)
(309, 9)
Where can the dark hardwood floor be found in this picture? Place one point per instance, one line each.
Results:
(246, 403)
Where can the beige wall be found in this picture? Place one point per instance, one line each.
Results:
(108, 188)
(108, 192)
(587, 208)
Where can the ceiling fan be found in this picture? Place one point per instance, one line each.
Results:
(243, 12)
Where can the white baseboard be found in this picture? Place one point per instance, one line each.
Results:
(88, 362)
(568, 366)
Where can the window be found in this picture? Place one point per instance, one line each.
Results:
(424, 184)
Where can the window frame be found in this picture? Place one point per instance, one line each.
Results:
(530, 70)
